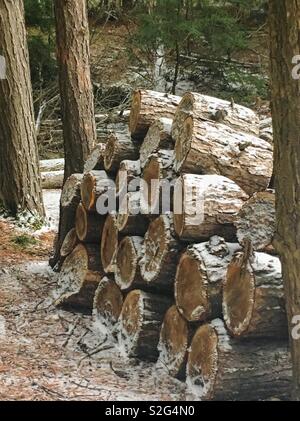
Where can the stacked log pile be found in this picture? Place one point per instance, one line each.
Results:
(195, 287)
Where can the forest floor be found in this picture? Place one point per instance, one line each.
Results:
(45, 352)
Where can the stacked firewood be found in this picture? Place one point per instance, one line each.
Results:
(202, 298)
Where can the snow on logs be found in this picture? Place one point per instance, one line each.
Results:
(119, 147)
(140, 323)
(206, 205)
(207, 108)
(222, 368)
(199, 279)
(52, 180)
(204, 147)
(147, 107)
(127, 273)
(253, 296)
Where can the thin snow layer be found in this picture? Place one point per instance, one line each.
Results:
(40, 268)
(2, 328)
(51, 203)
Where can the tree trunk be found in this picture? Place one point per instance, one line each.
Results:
(209, 148)
(128, 177)
(130, 219)
(147, 107)
(94, 185)
(256, 221)
(140, 322)
(158, 137)
(206, 108)
(253, 296)
(109, 243)
(224, 369)
(158, 174)
(108, 302)
(69, 201)
(77, 102)
(206, 205)
(199, 279)
(20, 184)
(89, 226)
(160, 254)
(284, 24)
(173, 344)
(127, 274)
(119, 147)
(95, 161)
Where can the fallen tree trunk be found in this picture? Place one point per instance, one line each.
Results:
(199, 279)
(109, 243)
(147, 107)
(253, 296)
(69, 243)
(158, 137)
(94, 185)
(140, 322)
(161, 254)
(107, 307)
(128, 177)
(130, 219)
(256, 221)
(79, 278)
(206, 205)
(207, 108)
(52, 180)
(127, 273)
(173, 344)
(95, 160)
(119, 147)
(69, 201)
(89, 226)
(224, 369)
(157, 190)
(208, 148)
(48, 165)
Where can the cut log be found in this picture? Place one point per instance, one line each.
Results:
(161, 253)
(209, 148)
(95, 160)
(108, 302)
(69, 243)
(89, 226)
(109, 243)
(158, 137)
(156, 187)
(253, 297)
(224, 369)
(206, 205)
(147, 107)
(130, 219)
(69, 201)
(256, 221)
(79, 278)
(52, 180)
(140, 323)
(119, 147)
(48, 165)
(207, 108)
(94, 185)
(173, 344)
(127, 274)
(199, 280)
(128, 177)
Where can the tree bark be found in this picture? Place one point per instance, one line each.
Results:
(20, 183)
(158, 137)
(199, 279)
(109, 243)
(205, 147)
(119, 147)
(284, 30)
(147, 107)
(206, 205)
(140, 322)
(77, 102)
(253, 296)
(207, 108)
(223, 369)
